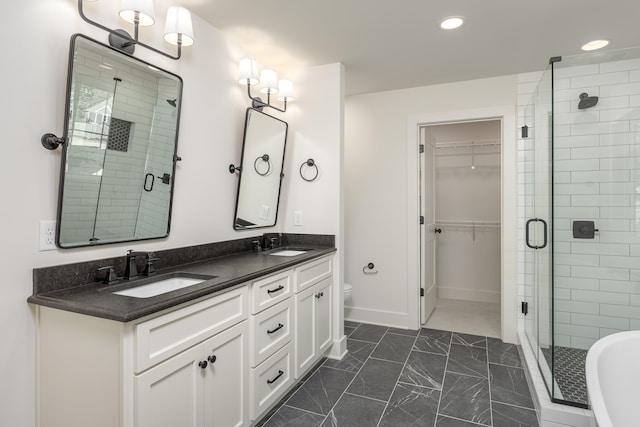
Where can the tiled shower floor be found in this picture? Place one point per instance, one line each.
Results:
(393, 377)
(569, 372)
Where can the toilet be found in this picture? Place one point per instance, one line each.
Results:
(348, 289)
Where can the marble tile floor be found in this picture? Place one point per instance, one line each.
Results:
(394, 378)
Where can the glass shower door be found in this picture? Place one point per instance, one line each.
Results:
(538, 226)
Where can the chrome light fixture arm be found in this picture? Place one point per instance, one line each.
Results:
(122, 40)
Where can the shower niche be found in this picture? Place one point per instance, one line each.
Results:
(580, 222)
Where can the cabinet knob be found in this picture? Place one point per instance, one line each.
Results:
(203, 364)
(212, 359)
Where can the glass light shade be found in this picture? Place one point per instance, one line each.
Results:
(143, 7)
(247, 70)
(268, 81)
(285, 90)
(178, 22)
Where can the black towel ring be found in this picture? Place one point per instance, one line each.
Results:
(265, 159)
(310, 163)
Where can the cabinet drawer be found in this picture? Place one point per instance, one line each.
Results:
(308, 274)
(270, 380)
(271, 329)
(271, 290)
(160, 338)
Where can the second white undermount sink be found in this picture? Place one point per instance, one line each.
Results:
(160, 287)
(287, 252)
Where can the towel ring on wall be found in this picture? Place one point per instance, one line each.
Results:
(265, 159)
(312, 164)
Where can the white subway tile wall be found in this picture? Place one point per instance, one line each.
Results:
(597, 177)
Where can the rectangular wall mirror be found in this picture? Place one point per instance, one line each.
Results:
(265, 138)
(120, 150)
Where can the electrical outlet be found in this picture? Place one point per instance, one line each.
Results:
(297, 218)
(47, 235)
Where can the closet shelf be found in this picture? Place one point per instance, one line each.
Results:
(490, 224)
(470, 225)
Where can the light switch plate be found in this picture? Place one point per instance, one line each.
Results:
(297, 218)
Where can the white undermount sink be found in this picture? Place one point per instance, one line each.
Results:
(159, 287)
(288, 252)
(613, 379)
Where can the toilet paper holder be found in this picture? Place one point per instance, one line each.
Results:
(370, 268)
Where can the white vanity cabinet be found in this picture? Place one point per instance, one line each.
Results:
(219, 361)
(272, 328)
(183, 367)
(205, 385)
(313, 307)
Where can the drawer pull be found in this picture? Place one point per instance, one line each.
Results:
(279, 288)
(273, 331)
(319, 295)
(212, 359)
(280, 373)
(203, 364)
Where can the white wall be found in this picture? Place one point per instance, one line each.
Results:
(210, 138)
(376, 186)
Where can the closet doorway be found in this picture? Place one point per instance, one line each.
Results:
(460, 199)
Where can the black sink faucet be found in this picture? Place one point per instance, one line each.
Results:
(131, 269)
(149, 258)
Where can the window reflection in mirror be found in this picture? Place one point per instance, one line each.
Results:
(118, 161)
(262, 161)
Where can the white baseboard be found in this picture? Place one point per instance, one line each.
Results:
(377, 317)
(469, 295)
(338, 349)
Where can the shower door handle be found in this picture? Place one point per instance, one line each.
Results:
(544, 233)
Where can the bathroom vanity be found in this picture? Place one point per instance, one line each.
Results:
(217, 353)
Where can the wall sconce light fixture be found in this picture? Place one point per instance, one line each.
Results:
(178, 28)
(269, 85)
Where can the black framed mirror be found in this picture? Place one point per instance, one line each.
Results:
(263, 148)
(120, 148)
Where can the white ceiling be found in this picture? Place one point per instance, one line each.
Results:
(386, 45)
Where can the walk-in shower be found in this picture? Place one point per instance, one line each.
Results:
(581, 210)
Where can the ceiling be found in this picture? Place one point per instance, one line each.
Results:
(387, 45)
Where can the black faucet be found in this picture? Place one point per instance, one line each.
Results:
(256, 245)
(149, 258)
(110, 275)
(131, 269)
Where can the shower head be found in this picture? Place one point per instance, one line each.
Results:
(172, 102)
(587, 101)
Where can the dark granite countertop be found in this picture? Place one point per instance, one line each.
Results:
(96, 299)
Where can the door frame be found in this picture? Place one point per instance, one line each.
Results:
(509, 205)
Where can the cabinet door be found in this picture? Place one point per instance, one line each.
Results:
(323, 315)
(305, 342)
(172, 393)
(227, 378)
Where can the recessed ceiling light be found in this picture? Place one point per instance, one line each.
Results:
(595, 44)
(451, 22)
